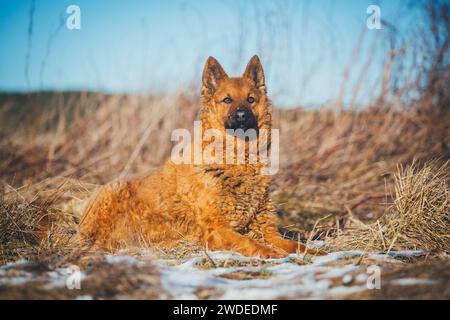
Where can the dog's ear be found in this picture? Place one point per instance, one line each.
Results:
(212, 75)
(255, 72)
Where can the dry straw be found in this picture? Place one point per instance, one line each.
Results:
(419, 217)
(34, 229)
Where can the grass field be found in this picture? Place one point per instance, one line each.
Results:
(375, 180)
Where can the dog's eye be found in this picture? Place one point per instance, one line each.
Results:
(227, 100)
(250, 99)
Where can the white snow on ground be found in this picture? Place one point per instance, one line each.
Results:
(321, 277)
(411, 281)
(84, 297)
(58, 278)
(17, 263)
(110, 258)
(20, 278)
(9, 276)
(287, 279)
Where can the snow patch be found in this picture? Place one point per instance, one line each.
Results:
(285, 280)
(113, 259)
(412, 282)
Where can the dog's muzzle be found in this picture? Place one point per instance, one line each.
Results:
(241, 118)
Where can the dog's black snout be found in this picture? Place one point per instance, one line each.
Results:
(240, 118)
(241, 115)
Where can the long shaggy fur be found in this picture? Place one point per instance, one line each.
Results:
(225, 206)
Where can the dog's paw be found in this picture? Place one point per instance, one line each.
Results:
(316, 252)
(270, 253)
(300, 248)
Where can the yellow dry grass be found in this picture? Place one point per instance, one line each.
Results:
(419, 217)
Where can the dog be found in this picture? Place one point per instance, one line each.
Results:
(223, 206)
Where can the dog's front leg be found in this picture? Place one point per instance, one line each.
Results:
(218, 236)
(265, 226)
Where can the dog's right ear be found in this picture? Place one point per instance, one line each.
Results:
(213, 74)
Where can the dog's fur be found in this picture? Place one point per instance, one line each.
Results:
(226, 207)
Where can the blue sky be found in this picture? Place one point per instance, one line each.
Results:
(160, 46)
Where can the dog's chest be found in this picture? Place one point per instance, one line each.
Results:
(243, 194)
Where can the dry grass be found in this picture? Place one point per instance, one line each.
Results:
(332, 163)
(92, 137)
(419, 217)
(34, 229)
(332, 167)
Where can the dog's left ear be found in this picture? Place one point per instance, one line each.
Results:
(254, 72)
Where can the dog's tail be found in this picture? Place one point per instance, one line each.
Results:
(98, 210)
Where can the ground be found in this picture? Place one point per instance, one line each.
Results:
(340, 179)
(225, 275)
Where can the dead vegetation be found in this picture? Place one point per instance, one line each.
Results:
(34, 229)
(333, 164)
(418, 218)
(336, 166)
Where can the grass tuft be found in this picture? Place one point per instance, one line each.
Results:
(419, 217)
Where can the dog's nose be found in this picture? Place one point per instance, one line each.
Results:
(240, 118)
(242, 115)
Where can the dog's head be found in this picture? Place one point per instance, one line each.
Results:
(235, 102)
